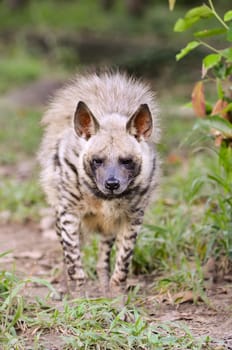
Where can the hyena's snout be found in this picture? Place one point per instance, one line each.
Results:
(111, 179)
(112, 184)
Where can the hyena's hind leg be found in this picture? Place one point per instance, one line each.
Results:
(103, 265)
(67, 228)
(125, 247)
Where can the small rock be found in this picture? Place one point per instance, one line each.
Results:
(47, 223)
(35, 255)
(49, 234)
(5, 216)
(209, 269)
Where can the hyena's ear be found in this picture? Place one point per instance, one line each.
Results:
(85, 123)
(140, 124)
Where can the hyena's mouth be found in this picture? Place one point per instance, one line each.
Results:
(113, 188)
(110, 195)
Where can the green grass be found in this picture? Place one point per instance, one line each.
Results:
(82, 324)
(19, 68)
(20, 132)
(21, 199)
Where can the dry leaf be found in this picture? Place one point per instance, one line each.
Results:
(209, 269)
(198, 100)
(185, 297)
(171, 4)
(174, 315)
(204, 71)
(218, 140)
(219, 109)
(169, 201)
(174, 159)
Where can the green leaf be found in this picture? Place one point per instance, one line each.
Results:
(200, 11)
(220, 91)
(183, 24)
(211, 60)
(228, 108)
(229, 71)
(227, 53)
(229, 32)
(220, 70)
(210, 32)
(191, 46)
(12, 295)
(220, 180)
(219, 124)
(17, 313)
(5, 253)
(228, 16)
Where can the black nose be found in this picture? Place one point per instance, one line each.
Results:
(112, 184)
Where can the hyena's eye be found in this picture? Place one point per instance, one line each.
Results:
(128, 163)
(96, 162)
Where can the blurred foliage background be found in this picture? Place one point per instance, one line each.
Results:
(41, 38)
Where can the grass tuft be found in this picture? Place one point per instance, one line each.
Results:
(82, 324)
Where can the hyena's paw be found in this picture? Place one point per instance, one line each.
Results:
(58, 295)
(116, 288)
(105, 291)
(77, 290)
(70, 289)
(62, 288)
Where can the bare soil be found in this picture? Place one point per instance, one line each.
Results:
(38, 255)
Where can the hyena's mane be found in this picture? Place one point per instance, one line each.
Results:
(103, 93)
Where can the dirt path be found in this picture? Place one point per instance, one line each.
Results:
(35, 255)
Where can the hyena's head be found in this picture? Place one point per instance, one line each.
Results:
(112, 156)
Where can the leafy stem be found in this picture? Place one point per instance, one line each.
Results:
(217, 15)
(209, 46)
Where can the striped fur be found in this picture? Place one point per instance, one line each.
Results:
(100, 168)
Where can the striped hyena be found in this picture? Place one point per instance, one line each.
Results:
(100, 168)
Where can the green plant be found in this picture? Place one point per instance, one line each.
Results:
(216, 68)
(219, 206)
(21, 200)
(215, 113)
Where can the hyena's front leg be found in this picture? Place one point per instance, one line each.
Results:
(68, 227)
(103, 265)
(125, 248)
